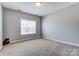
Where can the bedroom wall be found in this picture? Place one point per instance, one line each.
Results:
(62, 25)
(12, 25)
(1, 28)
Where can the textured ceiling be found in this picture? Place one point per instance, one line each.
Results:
(31, 8)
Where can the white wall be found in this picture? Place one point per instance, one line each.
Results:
(12, 27)
(1, 31)
(63, 25)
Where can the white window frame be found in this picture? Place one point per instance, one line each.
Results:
(28, 22)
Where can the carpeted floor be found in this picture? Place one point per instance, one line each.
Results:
(39, 47)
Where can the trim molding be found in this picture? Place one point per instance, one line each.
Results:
(16, 41)
(60, 41)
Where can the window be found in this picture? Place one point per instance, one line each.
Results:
(28, 27)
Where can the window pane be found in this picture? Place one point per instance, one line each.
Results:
(28, 27)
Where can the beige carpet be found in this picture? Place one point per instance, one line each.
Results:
(39, 47)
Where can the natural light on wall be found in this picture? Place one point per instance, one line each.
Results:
(28, 27)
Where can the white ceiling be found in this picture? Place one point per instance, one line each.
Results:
(30, 7)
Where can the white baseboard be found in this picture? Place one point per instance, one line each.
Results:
(15, 41)
(65, 42)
